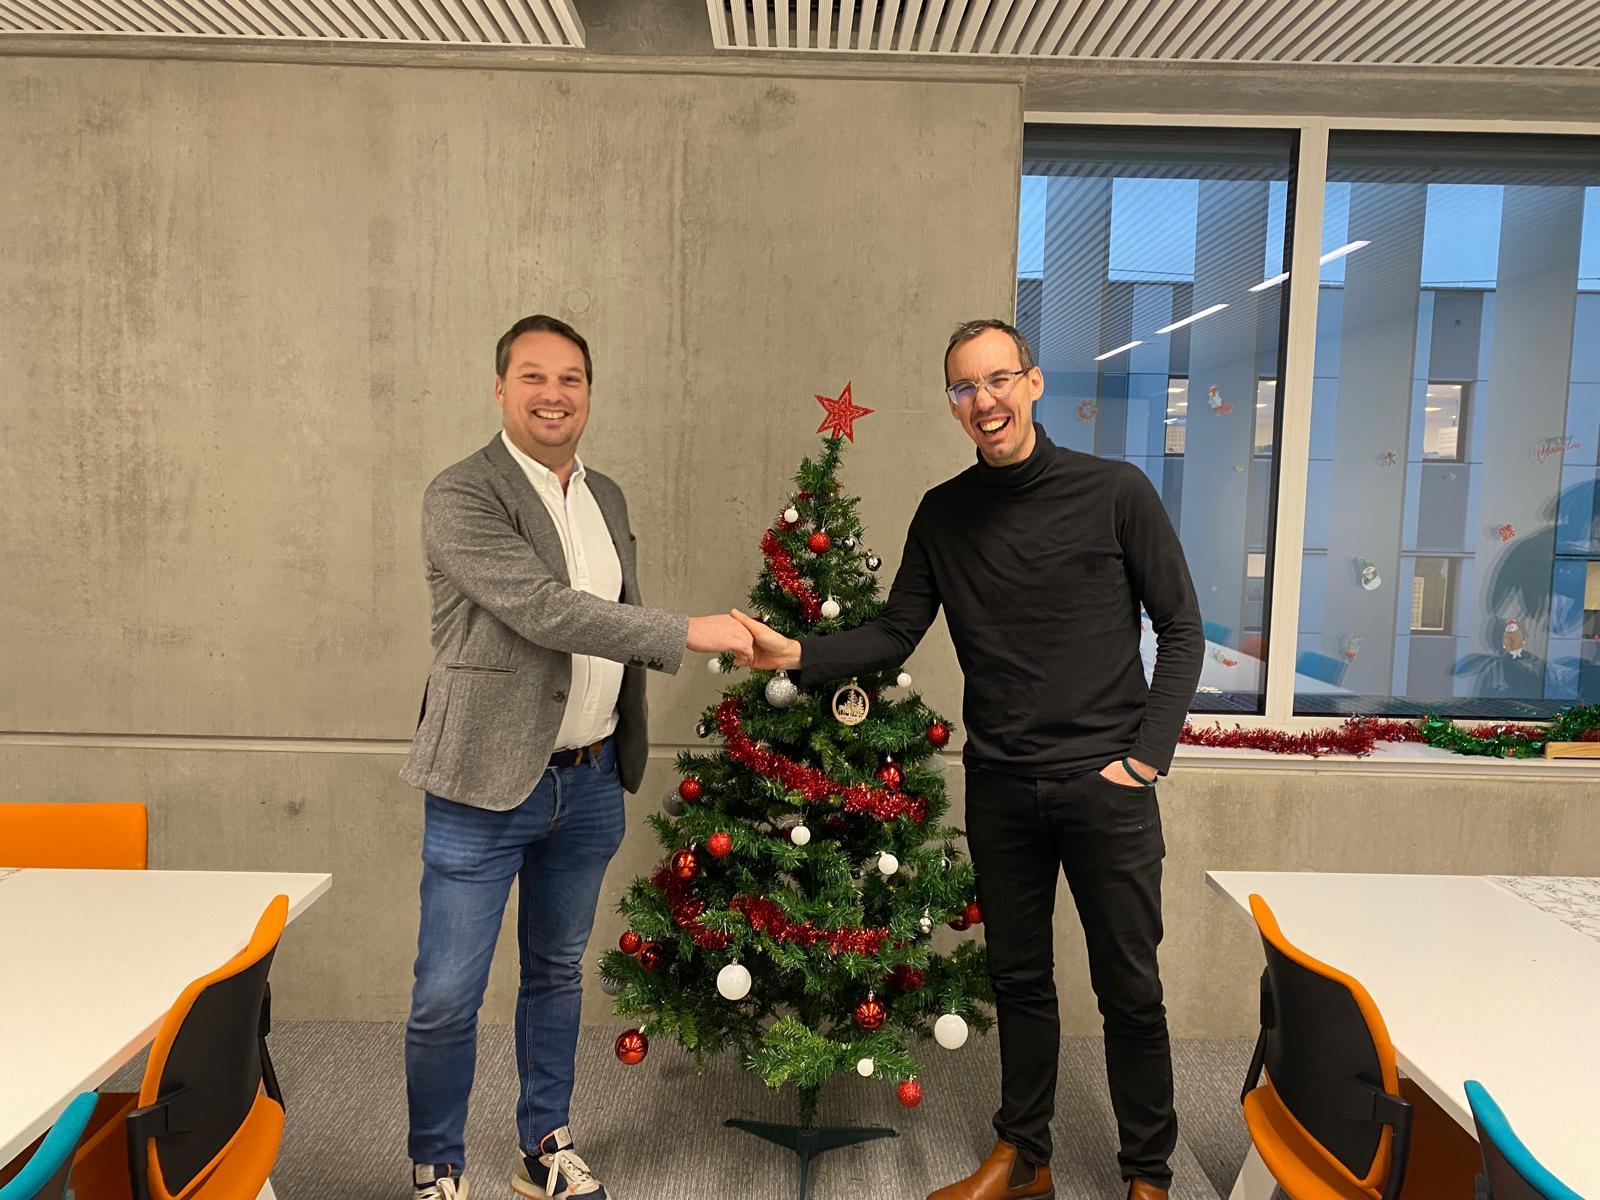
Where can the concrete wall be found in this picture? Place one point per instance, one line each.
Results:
(249, 312)
(343, 811)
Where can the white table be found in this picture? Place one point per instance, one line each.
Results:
(1473, 983)
(90, 962)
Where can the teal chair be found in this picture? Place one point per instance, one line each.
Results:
(1510, 1171)
(44, 1176)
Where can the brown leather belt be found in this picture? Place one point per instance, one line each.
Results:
(576, 758)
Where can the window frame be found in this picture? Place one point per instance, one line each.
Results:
(1288, 513)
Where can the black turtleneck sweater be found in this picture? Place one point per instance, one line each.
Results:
(1042, 567)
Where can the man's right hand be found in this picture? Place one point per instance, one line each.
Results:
(773, 651)
(713, 635)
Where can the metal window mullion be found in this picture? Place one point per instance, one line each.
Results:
(1294, 441)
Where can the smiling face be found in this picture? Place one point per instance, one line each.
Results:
(1001, 429)
(544, 397)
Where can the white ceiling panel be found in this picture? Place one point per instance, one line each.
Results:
(546, 23)
(1461, 33)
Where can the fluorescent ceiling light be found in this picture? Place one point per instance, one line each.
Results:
(1431, 408)
(1192, 318)
(1176, 388)
(1170, 421)
(1117, 351)
(1273, 282)
(1347, 248)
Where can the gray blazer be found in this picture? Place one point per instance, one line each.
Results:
(506, 623)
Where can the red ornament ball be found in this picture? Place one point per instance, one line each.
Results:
(961, 924)
(690, 790)
(631, 1047)
(907, 978)
(651, 956)
(910, 1093)
(891, 774)
(939, 734)
(870, 1014)
(720, 845)
(974, 914)
(819, 543)
(685, 864)
(630, 942)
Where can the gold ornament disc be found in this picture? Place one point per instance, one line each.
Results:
(851, 704)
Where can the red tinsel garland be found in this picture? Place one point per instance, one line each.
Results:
(788, 577)
(764, 916)
(686, 908)
(885, 804)
(1356, 736)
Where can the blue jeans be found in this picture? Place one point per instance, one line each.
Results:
(556, 844)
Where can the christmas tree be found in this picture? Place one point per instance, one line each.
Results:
(806, 868)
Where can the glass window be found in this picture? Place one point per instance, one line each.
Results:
(1430, 595)
(1151, 265)
(1452, 512)
(1177, 413)
(1441, 421)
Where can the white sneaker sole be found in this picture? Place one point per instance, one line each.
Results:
(523, 1186)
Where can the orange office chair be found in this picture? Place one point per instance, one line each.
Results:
(1329, 1121)
(209, 1119)
(89, 835)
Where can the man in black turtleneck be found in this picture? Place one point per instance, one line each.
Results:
(1042, 558)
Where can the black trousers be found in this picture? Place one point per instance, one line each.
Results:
(1023, 833)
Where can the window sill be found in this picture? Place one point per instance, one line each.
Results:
(1390, 758)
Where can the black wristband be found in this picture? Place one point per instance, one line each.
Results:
(1127, 765)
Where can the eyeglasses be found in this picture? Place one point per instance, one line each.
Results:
(998, 385)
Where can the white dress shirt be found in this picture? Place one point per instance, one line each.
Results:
(593, 567)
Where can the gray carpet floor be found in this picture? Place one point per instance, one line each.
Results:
(655, 1132)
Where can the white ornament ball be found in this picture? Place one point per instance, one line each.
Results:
(781, 691)
(865, 1068)
(733, 983)
(950, 1031)
(830, 609)
(715, 665)
(926, 924)
(888, 864)
(903, 679)
(800, 835)
(791, 515)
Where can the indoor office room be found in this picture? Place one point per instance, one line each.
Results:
(642, 600)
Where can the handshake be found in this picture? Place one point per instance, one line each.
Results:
(751, 643)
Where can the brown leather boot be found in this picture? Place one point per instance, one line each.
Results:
(1143, 1189)
(1005, 1175)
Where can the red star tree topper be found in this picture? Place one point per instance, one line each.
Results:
(842, 415)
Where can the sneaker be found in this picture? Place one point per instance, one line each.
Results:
(555, 1171)
(430, 1185)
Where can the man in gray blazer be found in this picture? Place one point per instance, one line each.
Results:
(533, 724)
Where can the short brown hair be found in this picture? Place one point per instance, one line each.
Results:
(971, 329)
(539, 323)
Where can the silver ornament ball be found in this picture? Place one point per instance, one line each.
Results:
(873, 562)
(781, 691)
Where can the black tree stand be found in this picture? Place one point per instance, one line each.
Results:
(809, 1140)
